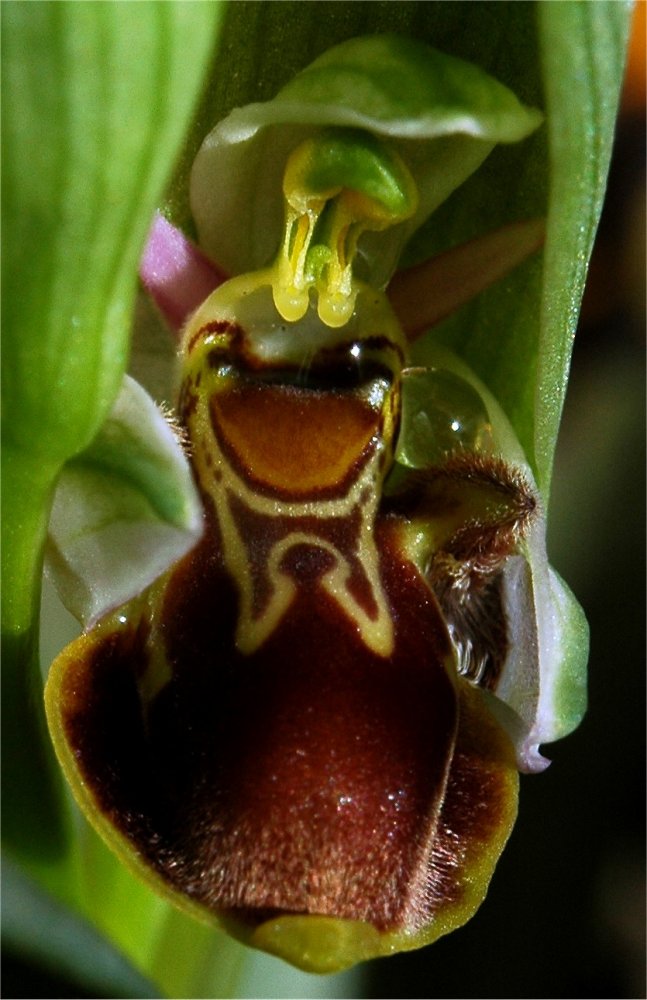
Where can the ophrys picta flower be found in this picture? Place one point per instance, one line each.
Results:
(310, 727)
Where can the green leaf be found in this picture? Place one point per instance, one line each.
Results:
(97, 98)
(37, 927)
(34, 828)
(125, 509)
(583, 52)
(84, 164)
(183, 957)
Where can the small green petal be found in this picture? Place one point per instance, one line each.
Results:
(125, 509)
(566, 709)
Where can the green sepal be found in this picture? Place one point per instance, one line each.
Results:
(124, 510)
(565, 710)
(441, 115)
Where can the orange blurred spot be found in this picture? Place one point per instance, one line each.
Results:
(633, 95)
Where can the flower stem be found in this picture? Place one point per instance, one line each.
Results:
(33, 819)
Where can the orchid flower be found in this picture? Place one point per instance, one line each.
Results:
(125, 508)
(342, 857)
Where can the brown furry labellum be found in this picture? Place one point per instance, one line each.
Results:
(287, 732)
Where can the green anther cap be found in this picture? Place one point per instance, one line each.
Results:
(337, 185)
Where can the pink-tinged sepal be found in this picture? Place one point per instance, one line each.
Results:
(176, 273)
